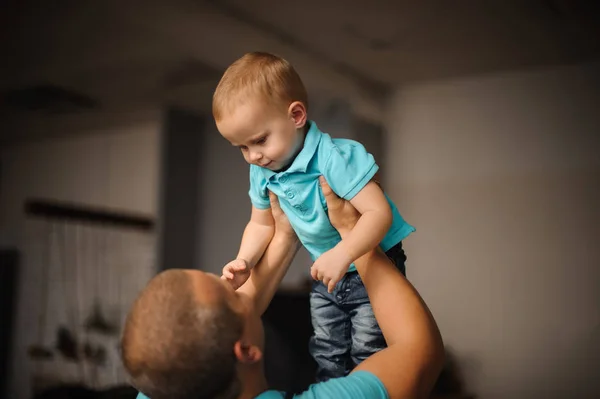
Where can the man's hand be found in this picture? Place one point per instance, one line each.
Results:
(333, 264)
(331, 267)
(236, 273)
(342, 215)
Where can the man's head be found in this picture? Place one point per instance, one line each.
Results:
(260, 106)
(189, 335)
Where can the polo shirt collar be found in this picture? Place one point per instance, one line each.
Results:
(300, 163)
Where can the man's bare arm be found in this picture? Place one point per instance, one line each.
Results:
(411, 363)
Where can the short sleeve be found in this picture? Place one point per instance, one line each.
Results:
(258, 189)
(357, 385)
(349, 168)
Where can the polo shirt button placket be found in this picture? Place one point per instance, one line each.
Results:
(283, 179)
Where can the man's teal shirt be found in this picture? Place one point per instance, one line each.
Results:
(358, 385)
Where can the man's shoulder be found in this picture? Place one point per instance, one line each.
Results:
(271, 395)
(358, 385)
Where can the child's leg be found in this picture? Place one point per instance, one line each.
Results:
(366, 335)
(330, 343)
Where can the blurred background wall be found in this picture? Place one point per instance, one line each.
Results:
(483, 115)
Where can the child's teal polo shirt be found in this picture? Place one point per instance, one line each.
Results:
(346, 166)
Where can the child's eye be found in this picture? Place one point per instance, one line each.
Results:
(243, 148)
(261, 141)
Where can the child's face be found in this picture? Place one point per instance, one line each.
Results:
(269, 137)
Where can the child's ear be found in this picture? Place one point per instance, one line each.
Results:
(297, 112)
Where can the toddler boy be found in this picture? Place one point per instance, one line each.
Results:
(261, 107)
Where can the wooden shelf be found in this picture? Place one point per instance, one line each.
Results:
(52, 209)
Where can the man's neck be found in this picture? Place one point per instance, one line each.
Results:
(253, 381)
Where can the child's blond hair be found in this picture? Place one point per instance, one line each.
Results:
(265, 75)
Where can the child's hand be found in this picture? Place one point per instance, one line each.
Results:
(236, 273)
(331, 267)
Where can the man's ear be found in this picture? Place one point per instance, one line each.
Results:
(247, 353)
(297, 112)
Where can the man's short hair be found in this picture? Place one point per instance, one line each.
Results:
(258, 75)
(175, 347)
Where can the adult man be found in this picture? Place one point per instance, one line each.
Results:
(190, 336)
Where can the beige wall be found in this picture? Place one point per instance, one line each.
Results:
(500, 174)
(115, 167)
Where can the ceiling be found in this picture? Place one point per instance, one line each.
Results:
(393, 42)
(123, 54)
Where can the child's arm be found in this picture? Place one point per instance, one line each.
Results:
(373, 225)
(257, 236)
(371, 228)
(350, 171)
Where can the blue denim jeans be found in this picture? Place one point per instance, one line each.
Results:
(345, 329)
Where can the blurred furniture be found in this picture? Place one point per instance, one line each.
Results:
(9, 261)
(288, 365)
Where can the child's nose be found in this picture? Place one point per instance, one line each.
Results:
(255, 156)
